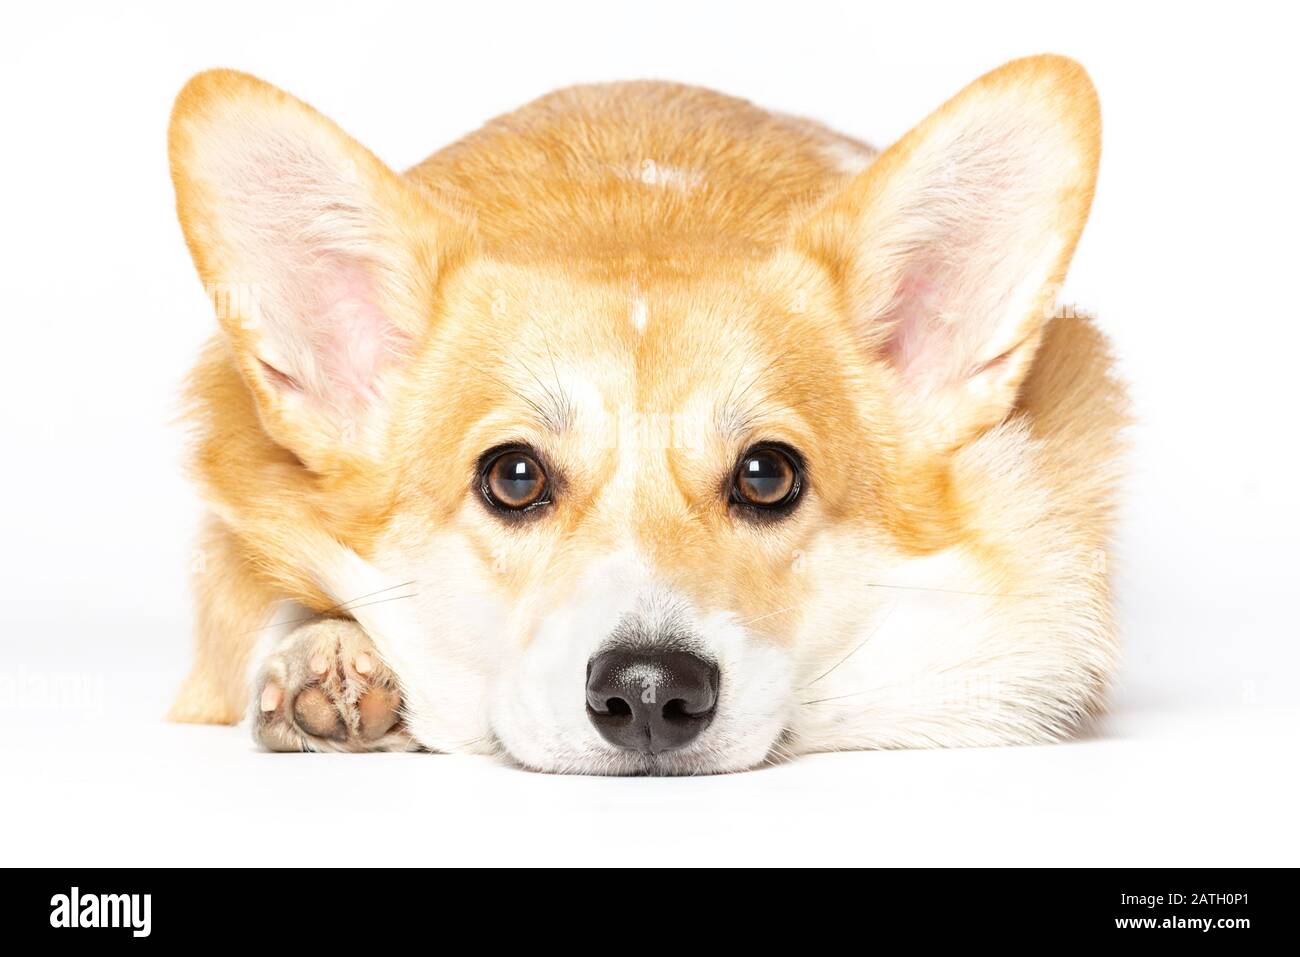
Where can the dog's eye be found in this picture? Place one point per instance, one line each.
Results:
(513, 480)
(768, 478)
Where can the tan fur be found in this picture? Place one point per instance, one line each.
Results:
(671, 254)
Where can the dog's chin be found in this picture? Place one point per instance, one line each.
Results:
(614, 763)
(716, 752)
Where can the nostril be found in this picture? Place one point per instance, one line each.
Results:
(651, 700)
(676, 711)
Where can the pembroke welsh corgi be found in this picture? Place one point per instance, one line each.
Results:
(648, 431)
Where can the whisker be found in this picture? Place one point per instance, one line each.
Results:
(542, 414)
(779, 611)
(862, 644)
(296, 621)
(733, 402)
(380, 601)
(332, 608)
(762, 372)
(555, 400)
(567, 400)
(368, 595)
(342, 606)
(740, 370)
(780, 752)
(838, 697)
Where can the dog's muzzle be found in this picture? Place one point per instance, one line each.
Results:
(651, 701)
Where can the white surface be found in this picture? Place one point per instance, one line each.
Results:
(1188, 260)
(111, 785)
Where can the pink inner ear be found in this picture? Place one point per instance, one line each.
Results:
(354, 338)
(917, 304)
(330, 337)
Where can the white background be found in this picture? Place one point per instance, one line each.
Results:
(1188, 260)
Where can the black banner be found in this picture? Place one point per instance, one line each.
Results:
(137, 907)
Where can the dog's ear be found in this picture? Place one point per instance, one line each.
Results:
(951, 246)
(320, 259)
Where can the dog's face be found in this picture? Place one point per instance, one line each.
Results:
(637, 506)
(634, 491)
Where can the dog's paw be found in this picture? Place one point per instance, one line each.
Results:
(325, 689)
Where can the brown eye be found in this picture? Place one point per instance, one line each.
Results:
(514, 481)
(766, 478)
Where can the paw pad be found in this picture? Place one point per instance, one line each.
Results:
(324, 689)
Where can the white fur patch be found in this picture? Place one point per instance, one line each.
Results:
(539, 702)
(281, 621)
(661, 176)
(933, 653)
(441, 641)
(640, 313)
(848, 157)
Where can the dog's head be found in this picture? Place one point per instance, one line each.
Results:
(638, 442)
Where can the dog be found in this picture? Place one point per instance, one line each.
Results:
(644, 431)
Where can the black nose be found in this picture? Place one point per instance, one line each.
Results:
(651, 701)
